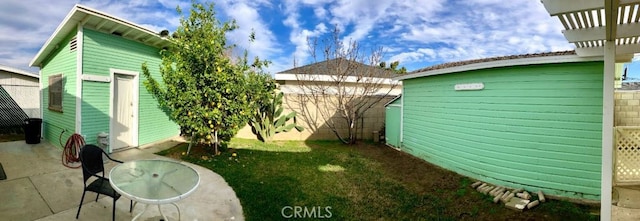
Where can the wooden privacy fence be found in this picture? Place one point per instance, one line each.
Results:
(627, 154)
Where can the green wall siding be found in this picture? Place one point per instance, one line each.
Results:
(102, 52)
(536, 126)
(95, 109)
(392, 125)
(61, 61)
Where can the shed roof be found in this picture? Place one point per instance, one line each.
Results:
(100, 21)
(393, 100)
(18, 71)
(503, 61)
(510, 57)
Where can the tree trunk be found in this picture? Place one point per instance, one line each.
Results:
(351, 134)
(215, 143)
(190, 143)
(353, 129)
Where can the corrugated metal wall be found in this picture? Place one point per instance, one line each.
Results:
(536, 126)
(24, 90)
(11, 115)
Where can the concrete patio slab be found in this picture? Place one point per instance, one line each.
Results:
(21, 201)
(628, 197)
(18, 159)
(44, 189)
(201, 197)
(60, 189)
(624, 214)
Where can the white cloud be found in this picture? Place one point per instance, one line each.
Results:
(437, 33)
(391, 49)
(486, 28)
(427, 52)
(456, 30)
(24, 31)
(172, 4)
(316, 2)
(320, 12)
(361, 30)
(280, 64)
(416, 55)
(38, 19)
(157, 17)
(406, 57)
(415, 32)
(358, 20)
(409, 12)
(249, 21)
(300, 38)
(360, 13)
(299, 35)
(18, 59)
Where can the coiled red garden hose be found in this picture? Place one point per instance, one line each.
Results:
(71, 151)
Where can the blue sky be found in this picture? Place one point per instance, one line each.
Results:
(418, 33)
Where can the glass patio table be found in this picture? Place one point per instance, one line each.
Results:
(154, 182)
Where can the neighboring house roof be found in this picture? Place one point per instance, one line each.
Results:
(322, 72)
(630, 86)
(100, 21)
(18, 71)
(324, 68)
(504, 61)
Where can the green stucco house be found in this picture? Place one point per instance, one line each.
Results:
(532, 121)
(90, 80)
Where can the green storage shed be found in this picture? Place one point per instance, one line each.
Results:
(90, 81)
(531, 121)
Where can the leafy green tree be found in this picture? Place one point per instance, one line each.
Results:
(206, 91)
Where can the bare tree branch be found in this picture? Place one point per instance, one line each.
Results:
(340, 87)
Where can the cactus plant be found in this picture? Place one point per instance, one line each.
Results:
(268, 120)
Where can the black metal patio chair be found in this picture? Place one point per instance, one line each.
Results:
(92, 166)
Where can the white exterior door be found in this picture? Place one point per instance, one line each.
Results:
(123, 114)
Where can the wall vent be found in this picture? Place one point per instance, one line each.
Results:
(73, 44)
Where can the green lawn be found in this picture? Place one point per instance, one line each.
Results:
(363, 182)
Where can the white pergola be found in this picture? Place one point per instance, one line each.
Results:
(609, 28)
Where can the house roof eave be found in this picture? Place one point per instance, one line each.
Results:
(99, 21)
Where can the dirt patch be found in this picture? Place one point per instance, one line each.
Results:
(455, 194)
(11, 137)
